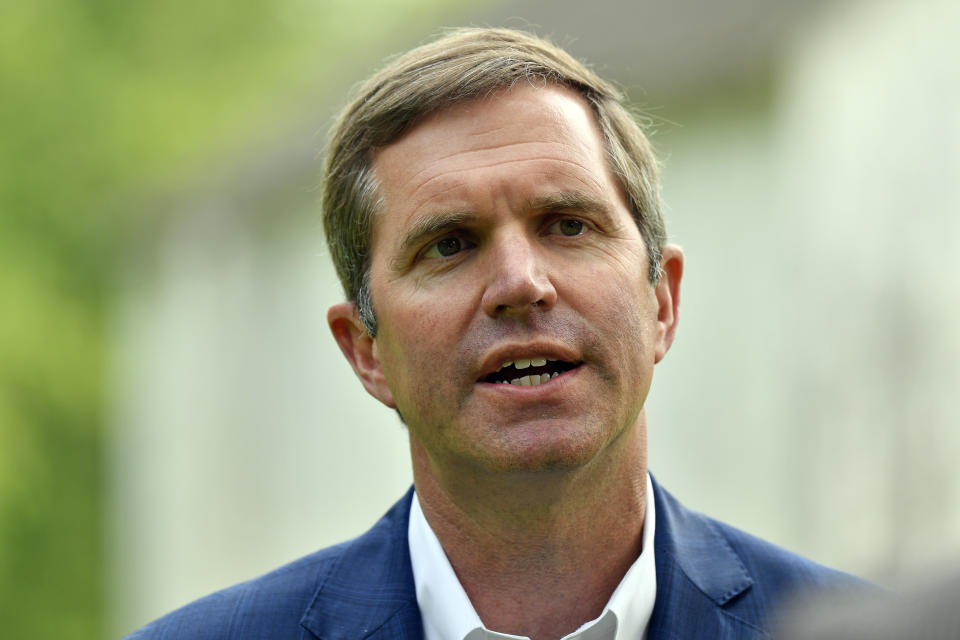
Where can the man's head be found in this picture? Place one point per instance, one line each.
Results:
(521, 308)
(465, 65)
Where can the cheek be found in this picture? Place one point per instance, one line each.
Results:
(625, 312)
(416, 352)
(430, 317)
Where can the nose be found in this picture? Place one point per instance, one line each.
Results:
(519, 279)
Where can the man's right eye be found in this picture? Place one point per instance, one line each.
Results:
(443, 248)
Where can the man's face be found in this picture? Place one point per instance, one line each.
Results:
(517, 328)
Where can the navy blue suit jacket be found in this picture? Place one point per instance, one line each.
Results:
(713, 582)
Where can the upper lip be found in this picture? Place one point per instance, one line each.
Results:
(537, 349)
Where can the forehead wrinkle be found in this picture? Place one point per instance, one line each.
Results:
(497, 146)
(422, 201)
(592, 184)
(447, 174)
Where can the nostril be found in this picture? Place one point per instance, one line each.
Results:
(502, 308)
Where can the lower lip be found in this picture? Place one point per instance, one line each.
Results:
(545, 387)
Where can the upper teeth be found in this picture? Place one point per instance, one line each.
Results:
(523, 363)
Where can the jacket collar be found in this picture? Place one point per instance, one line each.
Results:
(698, 573)
(368, 592)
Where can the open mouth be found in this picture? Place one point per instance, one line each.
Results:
(529, 371)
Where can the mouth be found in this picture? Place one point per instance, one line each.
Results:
(528, 372)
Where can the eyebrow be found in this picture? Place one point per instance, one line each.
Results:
(435, 224)
(569, 201)
(440, 223)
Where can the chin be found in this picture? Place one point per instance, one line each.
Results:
(546, 447)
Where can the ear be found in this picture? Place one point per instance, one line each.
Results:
(668, 298)
(360, 349)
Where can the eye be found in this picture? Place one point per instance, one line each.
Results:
(567, 227)
(444, 248)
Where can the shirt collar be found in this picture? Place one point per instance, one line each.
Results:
(448, 614)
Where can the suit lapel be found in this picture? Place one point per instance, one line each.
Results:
(369, 592)
(698, 573)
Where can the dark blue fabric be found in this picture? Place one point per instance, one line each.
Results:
(713, 582)
(358, 589)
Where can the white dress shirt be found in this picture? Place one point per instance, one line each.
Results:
(448, 614)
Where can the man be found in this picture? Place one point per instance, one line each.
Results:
(493, 214)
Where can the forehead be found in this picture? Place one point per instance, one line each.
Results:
(501, 146)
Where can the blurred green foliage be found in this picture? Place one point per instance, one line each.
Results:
(101, 99)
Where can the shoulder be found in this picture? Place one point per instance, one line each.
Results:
(268, 606)
(779, 573)
(285, 601)
(698, 537)
(707, 568)
(784, 581)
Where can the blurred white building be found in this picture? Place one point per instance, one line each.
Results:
(812, 175)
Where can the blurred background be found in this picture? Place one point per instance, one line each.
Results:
(174, 416)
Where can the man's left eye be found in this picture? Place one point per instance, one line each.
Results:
(567, 227)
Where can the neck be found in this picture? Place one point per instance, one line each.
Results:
(540, 552)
